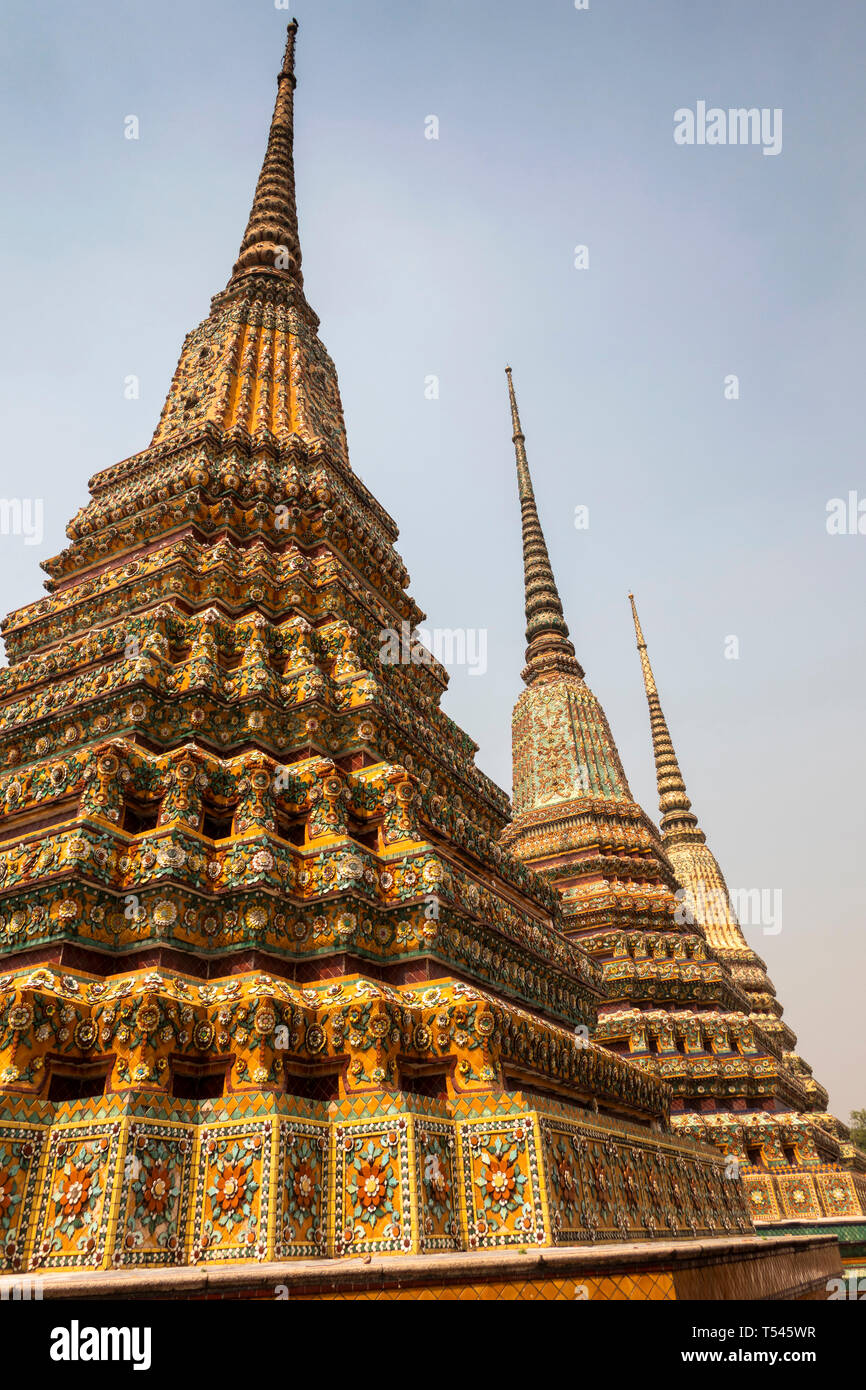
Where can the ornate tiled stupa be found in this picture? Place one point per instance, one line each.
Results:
(272, 987)
(772, 1144)
(688, 1002)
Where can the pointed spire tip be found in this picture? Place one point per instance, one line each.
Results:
(548, 647)
(678, 819)
(639, 633)
(288, 68)
(271, 244)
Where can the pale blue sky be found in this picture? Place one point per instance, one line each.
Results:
(454, 256)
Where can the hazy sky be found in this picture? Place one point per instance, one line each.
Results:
(451, 257)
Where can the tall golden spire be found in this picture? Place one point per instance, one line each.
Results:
(694, 863)
(271, 241)
(679, 822)
(548, 648)
(256, 368)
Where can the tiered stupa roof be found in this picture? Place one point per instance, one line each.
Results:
(688, 999)
(707, 899)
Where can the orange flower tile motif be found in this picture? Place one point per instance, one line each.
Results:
(232, 1192)
(501, 1183)
(304, 1198)
(155, 1196)
(73, 1217)
(373, 1212)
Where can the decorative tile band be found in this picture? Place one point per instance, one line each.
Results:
(141, 1191)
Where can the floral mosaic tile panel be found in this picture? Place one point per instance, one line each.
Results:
(437, 1184)
(76, 1189)
(303, 1190)
(20, 1152)
(158, 1169)
(372, 1187)
(501, 1184)
(232, 1193)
